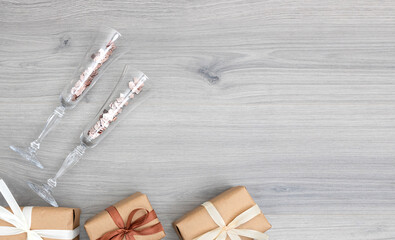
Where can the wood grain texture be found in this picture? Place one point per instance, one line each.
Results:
(294, 100)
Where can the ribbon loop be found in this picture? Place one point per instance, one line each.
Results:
(231, 230)
(131, 228)
(21, 220)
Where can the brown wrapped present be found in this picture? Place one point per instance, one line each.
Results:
(133, 217)
(37, 222)
(233, 212)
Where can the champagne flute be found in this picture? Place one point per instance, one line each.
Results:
(127, 94)
(103, 51)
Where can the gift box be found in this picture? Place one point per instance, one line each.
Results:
(133, 216)
(233, 212)
(48, 218)
(47, 223)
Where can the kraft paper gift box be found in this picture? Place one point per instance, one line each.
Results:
(41, 219)
(229, 204)
(49, 218)
(103, 226)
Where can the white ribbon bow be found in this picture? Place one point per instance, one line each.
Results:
(230, 230)
(21, 220)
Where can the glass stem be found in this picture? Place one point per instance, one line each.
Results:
(51, 122)
(68, 163)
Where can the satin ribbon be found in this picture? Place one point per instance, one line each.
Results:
(21, 220)
(231, 230)
(131, 228)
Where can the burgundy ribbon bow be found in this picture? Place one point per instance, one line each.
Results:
(131, 227)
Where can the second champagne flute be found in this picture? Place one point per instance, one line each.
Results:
(130, 91)
(103, 51)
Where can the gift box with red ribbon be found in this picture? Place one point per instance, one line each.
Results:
(132, 218)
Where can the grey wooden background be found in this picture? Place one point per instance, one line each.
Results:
(293, 99)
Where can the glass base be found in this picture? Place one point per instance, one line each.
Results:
(28, 154)
(44, 191)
